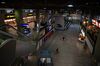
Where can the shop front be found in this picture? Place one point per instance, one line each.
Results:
(91, 30)
(30, 20)
(11, 26)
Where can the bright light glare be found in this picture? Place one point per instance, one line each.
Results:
(70, 5)
(9, 10)
(3, 2)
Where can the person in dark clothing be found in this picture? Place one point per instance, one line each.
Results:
(57, 50)
(19, 61)
(63, 38)
(44, 63)
(22, 61)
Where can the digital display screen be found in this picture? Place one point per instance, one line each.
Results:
(24, 25)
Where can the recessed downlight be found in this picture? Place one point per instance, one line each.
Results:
(3, 2)
(70, 5)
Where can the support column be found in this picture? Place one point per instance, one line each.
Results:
(37, 29)
(19, 18)
(46, 15)
(37, 20)
(2, 18)
(37, 25)
(53, 20)
(46, 19)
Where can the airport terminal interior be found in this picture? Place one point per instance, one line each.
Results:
(49, 33)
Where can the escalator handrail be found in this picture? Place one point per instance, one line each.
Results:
(17, 31)
(13, 36)
(21, 33)
(4, 42)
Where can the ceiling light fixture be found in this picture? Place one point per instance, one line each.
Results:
(70, 5)
(44, 8)
(9, 10)
(3, 2)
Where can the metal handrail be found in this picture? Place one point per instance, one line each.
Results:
(15, 30)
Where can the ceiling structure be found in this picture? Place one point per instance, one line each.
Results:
(51, 4)
(46, 3)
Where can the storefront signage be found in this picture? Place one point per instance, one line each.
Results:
(8, 20)
(28, 17)
(30, 14)
(10, 16)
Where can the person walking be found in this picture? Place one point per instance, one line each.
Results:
(57, 50)
(63, 38)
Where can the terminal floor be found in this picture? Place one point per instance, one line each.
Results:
(71, 50)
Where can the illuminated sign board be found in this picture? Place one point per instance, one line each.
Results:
(24, 25)
(30, 14)
(10, 16)
(8, 20)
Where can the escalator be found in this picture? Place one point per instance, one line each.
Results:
(14, 33)
(21, 46)
(7, 48)
(9, 44)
